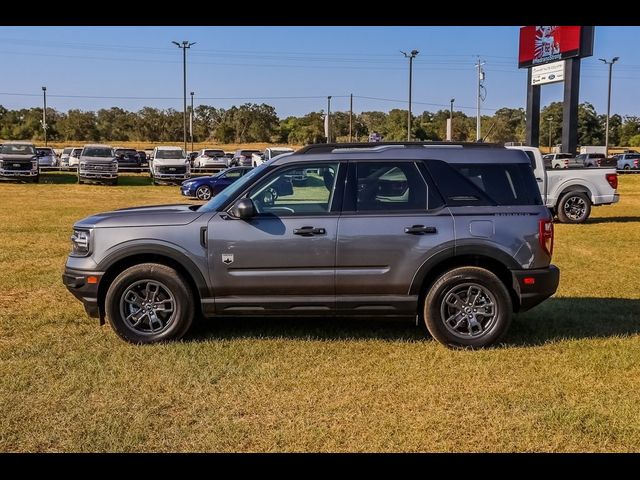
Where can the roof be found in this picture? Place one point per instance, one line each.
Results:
(162, 147)
(18, 142)
(97, 145)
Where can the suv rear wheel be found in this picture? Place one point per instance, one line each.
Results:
(468, 307)
(149, 303)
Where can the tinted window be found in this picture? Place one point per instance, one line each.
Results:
(532, 158)
(390, 186)
(97, 152)
(233, 174)
(564, 155)
(17, 149)
(486, 184)
(170, 154)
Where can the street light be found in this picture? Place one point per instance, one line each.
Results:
(191, 122)
(450, 129)
(44, 114)
(550, 119)
(185, 44)
(410, 56)
(606, 134)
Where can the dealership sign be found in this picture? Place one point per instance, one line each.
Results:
(540, 45)
(547, 73)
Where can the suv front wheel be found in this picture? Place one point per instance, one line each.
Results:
(468, 307)
(149, 303)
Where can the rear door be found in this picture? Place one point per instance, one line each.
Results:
(392, 221)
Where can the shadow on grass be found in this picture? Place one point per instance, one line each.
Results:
(613, 220)
(68, 178)
(555, 320)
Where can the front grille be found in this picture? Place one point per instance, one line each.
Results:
(16, 166)
(99, 167)
(172, 170)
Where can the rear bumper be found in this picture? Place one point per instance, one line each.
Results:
(540, 285)
(87, 293)
(606, 199)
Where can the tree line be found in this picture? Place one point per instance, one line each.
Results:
(259, 123)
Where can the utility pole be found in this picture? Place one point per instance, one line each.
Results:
(480, 86)
(184, 46)
(44, 114)
(606, 134)
(329, 119)
(450, 126)
(350, 117)
(191, 122)
(550, 119)
(410, 56)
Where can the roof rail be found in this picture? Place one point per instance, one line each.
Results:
(329, 147)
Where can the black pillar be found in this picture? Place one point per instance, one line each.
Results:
(533, 113)
(570, 106)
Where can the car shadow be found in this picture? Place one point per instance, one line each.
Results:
(126, 180)
(555, 320)
(613, 220)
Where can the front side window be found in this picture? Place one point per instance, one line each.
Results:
(233, 174)
(296, 190)
(389, 187)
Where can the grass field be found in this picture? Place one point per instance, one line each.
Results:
(566, 379)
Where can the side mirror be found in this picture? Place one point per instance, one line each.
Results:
(243, 209)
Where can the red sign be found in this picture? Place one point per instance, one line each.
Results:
(540, 45)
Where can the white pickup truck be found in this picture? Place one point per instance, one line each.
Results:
(572, 192)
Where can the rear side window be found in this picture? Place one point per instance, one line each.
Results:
(486, 184)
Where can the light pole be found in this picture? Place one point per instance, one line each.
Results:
(329, 119)
(191, 122)
(44, 114)
(450, 129)
(606, 134)
(185, 44)
(550, 119)
(410, 56)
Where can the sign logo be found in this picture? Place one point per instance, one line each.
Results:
(227, 258)
(547, 73)
(544, 44)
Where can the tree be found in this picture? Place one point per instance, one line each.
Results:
(629, 129)
(590, 130)
(79, 125)
(634, 141)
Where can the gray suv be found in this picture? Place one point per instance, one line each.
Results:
(453, 234)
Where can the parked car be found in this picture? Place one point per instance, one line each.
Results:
(19, 161)
(144, 160)
(98, 164)
(561, 160)
(192, 156)
(169, 165)
(628, 161)
(210, 158)
(46, 157)
(268, 154)
(570, 194)
(458, 237)
(64, 157)
(128, 159)
(242, 158)
(203, 188)
(590, 159)
(74, 157)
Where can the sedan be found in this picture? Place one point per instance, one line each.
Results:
(203, 188)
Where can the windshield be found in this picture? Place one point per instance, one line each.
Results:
(216, 202)
(122, 151)
(67, 151)
(170, 154)
(17, 149)
(45, 151)
(97, 152)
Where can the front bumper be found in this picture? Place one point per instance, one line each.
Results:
(98, 175)
(167, 177)
(18, 173)
(541, 284)
(76, 282)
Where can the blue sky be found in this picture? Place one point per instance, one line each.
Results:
(78, 63)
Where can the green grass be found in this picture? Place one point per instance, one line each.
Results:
(566, 379)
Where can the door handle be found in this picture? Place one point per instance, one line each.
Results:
(309, 231)
(538, 179)
(420, 229)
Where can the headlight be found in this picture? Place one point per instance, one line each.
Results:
(80, 242)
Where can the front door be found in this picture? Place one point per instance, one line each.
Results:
(392, 222)
(281, 261)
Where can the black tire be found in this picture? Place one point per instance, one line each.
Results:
(574, 207)
(486, 329)
(170, 327)
(203, 192)
(627, 167)
(557, 166)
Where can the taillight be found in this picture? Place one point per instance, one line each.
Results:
(566, 163)
(545, 233)
(612, 178)
(635, 164)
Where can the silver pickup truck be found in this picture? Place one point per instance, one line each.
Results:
(571, 193)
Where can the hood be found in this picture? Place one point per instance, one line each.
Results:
(10, 157)
(97, 159)
(179, 214)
